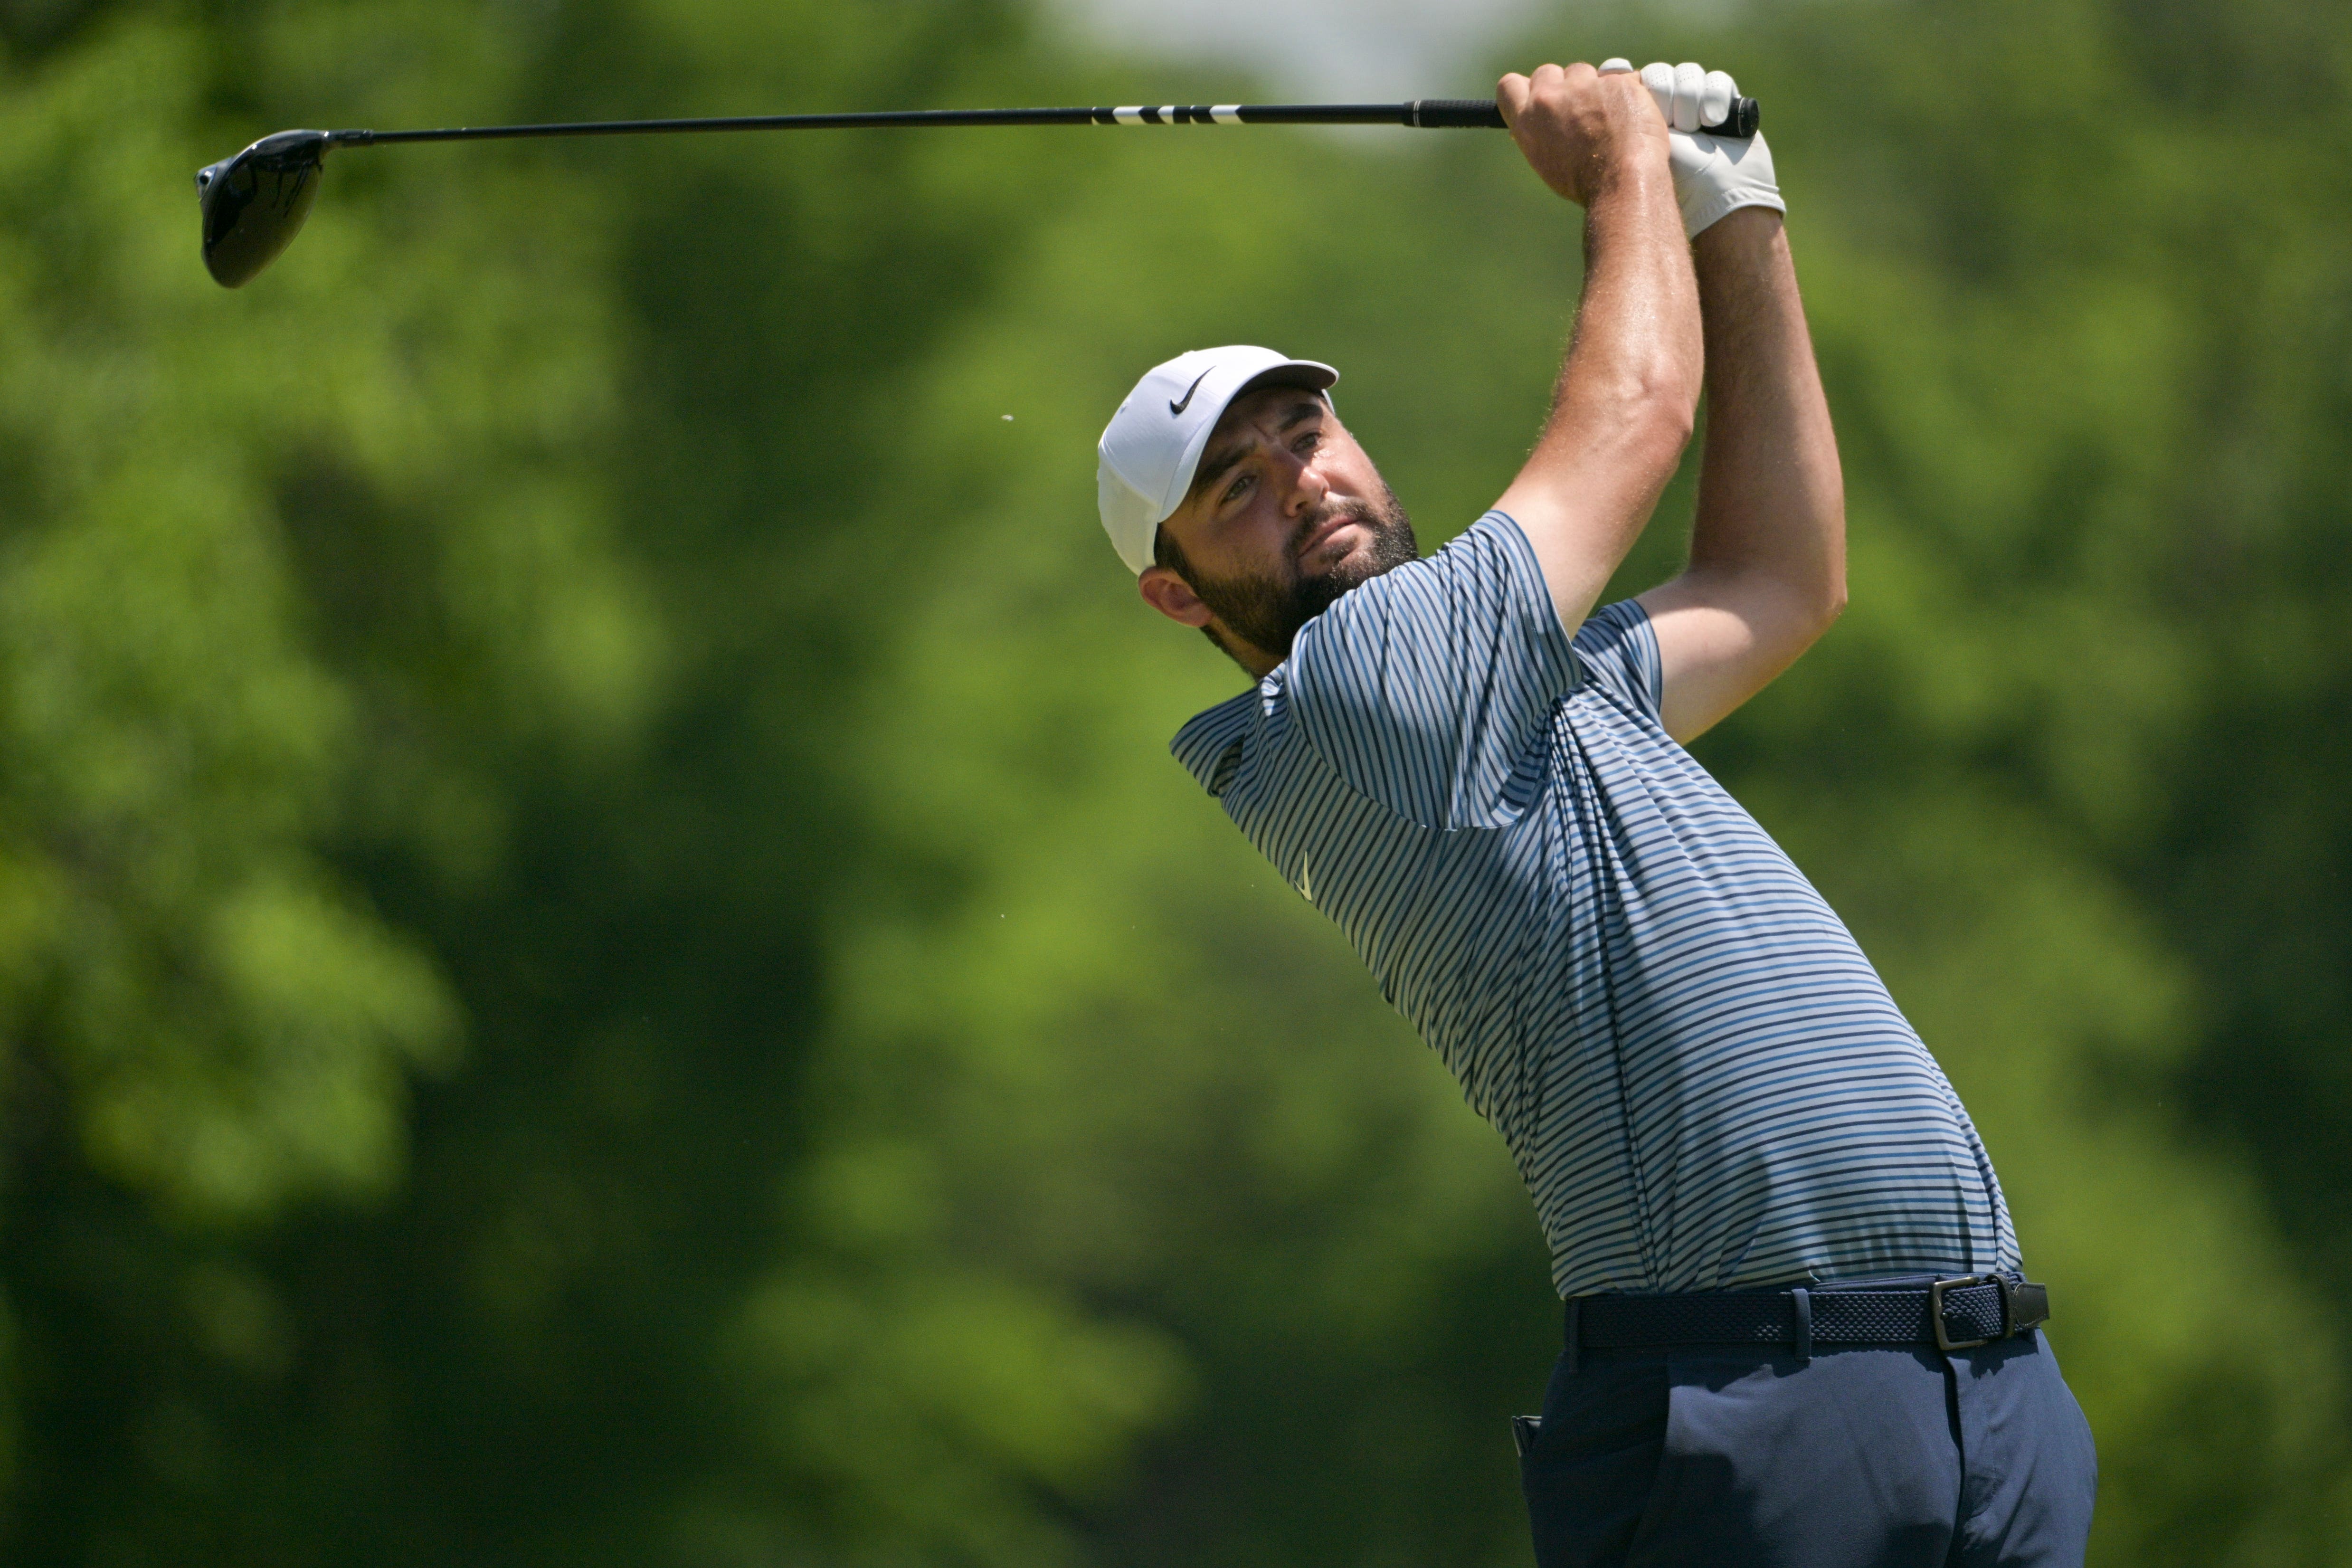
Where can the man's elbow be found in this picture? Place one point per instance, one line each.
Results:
(1675, 421)
(1784, 615)
(1667, 393)
(1664, 416)
(1654, 400)
(1799, 602)
(1830, 603)
(1812, 569)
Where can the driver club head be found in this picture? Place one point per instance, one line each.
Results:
(254, 204)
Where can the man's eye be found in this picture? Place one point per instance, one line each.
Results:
(1233, 491)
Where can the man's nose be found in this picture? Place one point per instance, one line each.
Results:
(1304, 487)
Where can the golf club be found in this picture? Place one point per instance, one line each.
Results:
(254, 204)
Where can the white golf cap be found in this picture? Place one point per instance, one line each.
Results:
(1149, 451)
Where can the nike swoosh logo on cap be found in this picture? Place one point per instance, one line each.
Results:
(1176, 408)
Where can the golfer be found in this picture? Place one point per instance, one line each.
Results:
(1797, 1329)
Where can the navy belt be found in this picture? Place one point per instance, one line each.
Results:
(1949, 1314)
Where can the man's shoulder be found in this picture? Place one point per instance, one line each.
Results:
(1211, 743)
(1413, 618)
(1491, 552)
(1460, 653)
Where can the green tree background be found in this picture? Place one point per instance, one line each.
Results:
(600, 956)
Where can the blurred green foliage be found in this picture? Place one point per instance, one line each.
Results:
(602, 962)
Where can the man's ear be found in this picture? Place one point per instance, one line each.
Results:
(1172, 596)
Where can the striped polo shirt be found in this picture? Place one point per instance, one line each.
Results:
(1704, 1082)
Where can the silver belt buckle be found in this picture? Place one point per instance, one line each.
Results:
(1936, 1289)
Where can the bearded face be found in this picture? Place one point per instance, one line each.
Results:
(1266, 606)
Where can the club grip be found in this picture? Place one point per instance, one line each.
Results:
(1742, 122)
(1456, 115)
(1480, 114)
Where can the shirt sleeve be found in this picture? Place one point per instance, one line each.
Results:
(1617, 649)
(1431, 688)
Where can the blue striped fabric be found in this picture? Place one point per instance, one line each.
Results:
(1703, 1080)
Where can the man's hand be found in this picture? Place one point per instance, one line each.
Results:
(1713, 177)
(1580, 129)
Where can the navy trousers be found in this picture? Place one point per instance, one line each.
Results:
(1866, 1457)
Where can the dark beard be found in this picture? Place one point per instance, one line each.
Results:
(1267, 609)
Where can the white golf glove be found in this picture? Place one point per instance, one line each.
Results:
(1713, 175)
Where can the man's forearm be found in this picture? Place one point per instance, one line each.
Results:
(1768, 548)
(1627, 393)
(1771, 500)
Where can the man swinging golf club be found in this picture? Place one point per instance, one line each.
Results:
(1797, 1330)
